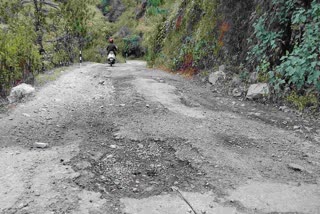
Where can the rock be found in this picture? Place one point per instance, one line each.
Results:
(113, 146)
(236, 81)
(117, 136)
(257, 91)
(22, 205)
(40, 145)
(122, 105)
(296, 127)
(295, 167)
(140, 145)
(222, 68)
(20, 91)
(26, 115)
(237, 92)
(216, 76)
(83, 165)
(253, 78)
(101, 82)
(135, 190)
(284, 109)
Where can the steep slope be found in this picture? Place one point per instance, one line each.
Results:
(274, 41)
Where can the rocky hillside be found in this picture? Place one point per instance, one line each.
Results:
(273, 42)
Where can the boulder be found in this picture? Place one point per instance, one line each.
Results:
(20, 91)
(222, 68)
(216, 76)
(257, 91)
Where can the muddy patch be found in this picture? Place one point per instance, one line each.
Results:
(239, 142)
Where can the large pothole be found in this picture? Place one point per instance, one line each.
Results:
(135, 169)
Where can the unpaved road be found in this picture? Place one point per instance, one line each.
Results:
(120, 138)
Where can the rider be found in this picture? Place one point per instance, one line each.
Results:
(112, 47)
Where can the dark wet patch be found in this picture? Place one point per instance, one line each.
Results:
(239, 142)
(137, 169)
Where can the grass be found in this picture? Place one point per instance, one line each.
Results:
(42, 79)
(303, 102)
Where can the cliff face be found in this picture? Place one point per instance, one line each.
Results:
(208, 32)
(113, 9)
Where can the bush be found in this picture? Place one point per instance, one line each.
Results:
(19, 57)
(286, 45)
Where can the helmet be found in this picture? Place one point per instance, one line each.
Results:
(110, 40)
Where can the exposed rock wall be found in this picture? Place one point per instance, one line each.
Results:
(116, 8)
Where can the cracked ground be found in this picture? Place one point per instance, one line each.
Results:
(134, 140)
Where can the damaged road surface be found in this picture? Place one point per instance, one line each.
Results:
(134, 140)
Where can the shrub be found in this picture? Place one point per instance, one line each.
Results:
(19, 57)
(286, 45)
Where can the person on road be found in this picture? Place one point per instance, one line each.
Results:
(112, 47)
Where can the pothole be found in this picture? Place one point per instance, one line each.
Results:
(137, 169)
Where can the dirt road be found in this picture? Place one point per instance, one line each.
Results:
(129, 140)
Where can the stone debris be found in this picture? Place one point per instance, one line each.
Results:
(253, 78)
(217, 76)
(297, 127)
(296, 167)
(26, 115)
(257, 91)
(236, 81)
(236, 92)
(40, 145)
(22, 205)
(113, 146)
(222, 68)
(20, 91)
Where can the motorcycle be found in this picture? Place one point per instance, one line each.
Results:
(111, 58)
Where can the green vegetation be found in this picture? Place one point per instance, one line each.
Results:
(39, 35)
(301, 102)
(185, 40)
(281, 44)
(19, 56)
(287, 47)
(43, 78)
